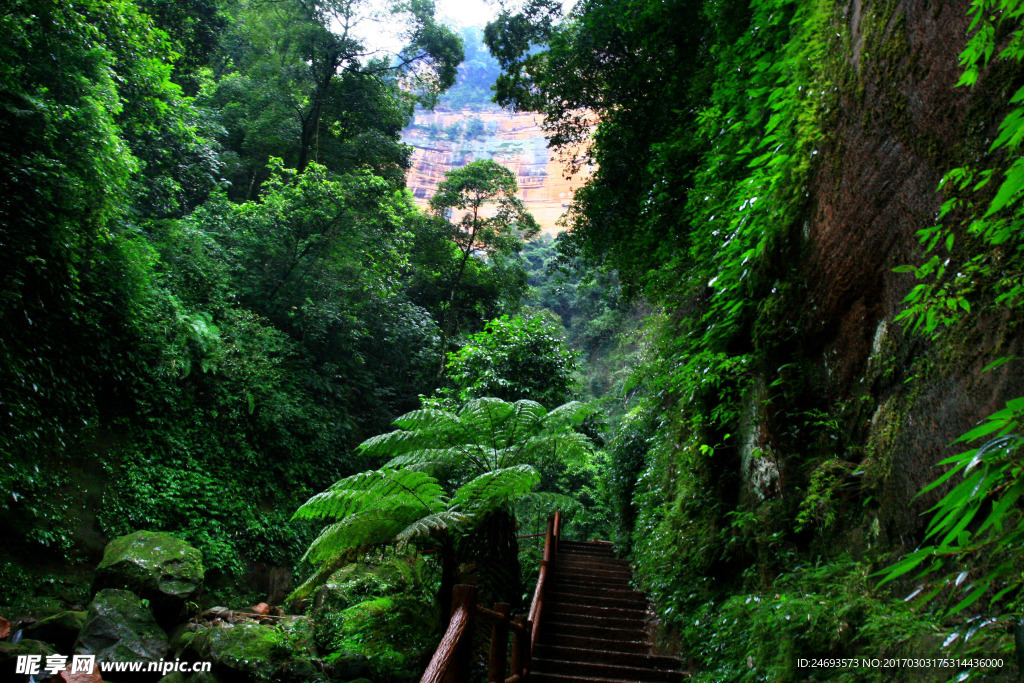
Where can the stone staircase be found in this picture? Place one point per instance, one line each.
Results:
(593, 623)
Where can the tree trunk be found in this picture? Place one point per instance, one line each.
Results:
(449, 577)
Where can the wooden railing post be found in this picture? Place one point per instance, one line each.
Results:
(452, 659)
(521, 645)
(450, 662)
(498, 659)
(463, 600)
(549, 539)
(557, 531)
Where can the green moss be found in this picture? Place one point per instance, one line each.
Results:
(393, 633)
(254, 650)
(152, 562)
(119, 627)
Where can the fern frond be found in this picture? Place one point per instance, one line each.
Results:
(493, 489)
(322, 573)
(569, 414)
(398, 441)
(429, 526)
(526, 416)
(450, 457)
(485, 416)
(370, 528)
(429, 418)
(376, 489)
(546, 502)
(568, 447)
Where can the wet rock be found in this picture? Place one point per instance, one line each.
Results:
(252, 652)
(156, 566)
(66, 676)
(348, 666)
(120, 628)
(60, 629)
(9, 652)
(178, 677)
(242, 652)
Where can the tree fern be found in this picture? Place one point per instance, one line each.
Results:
(380, 489)
(485, 451)
(492, 489)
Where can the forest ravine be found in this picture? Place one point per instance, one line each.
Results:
(263, 406)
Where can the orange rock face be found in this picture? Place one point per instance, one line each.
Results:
(444, 140)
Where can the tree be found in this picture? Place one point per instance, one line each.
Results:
(640, 66)
(493, 220)
(487, 452)
(516, 358)
(296, 83)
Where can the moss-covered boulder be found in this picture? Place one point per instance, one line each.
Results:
(156, 566)
(244, 652)
(120, 628)
(177, 677)
(61, 630)
(9, 653)
(253, 652)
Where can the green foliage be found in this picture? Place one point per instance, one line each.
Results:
(484, 454)
(392, 632)
(639, 66)
(822, 611)
(516, 358)
(490, 219)
(292, 83)
(379, 611)
(471, 188)
(599, 321)
(976, 528)
(477, 74)
(156, 332)
(968, 561)
(989, 224)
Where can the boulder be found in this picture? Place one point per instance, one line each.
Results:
(60, 629)
(9, 652)
(239, 652)
(120, 628)
(177, 677)
(156, 566)
(250, 652)
(347, 666)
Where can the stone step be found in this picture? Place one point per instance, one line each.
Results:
(567, 584)
(608, 564)
(590, 583)
(564, 678)
(593, 626)
(578, 548)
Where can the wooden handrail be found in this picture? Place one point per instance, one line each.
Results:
(447, 664)
(450, 663)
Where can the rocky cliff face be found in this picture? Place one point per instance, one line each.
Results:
(444, 140)
(903, 123)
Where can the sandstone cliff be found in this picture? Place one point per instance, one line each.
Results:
(444, 140)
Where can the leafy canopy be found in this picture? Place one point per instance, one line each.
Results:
(515, 358)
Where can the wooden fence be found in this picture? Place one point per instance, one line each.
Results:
(451, 661)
